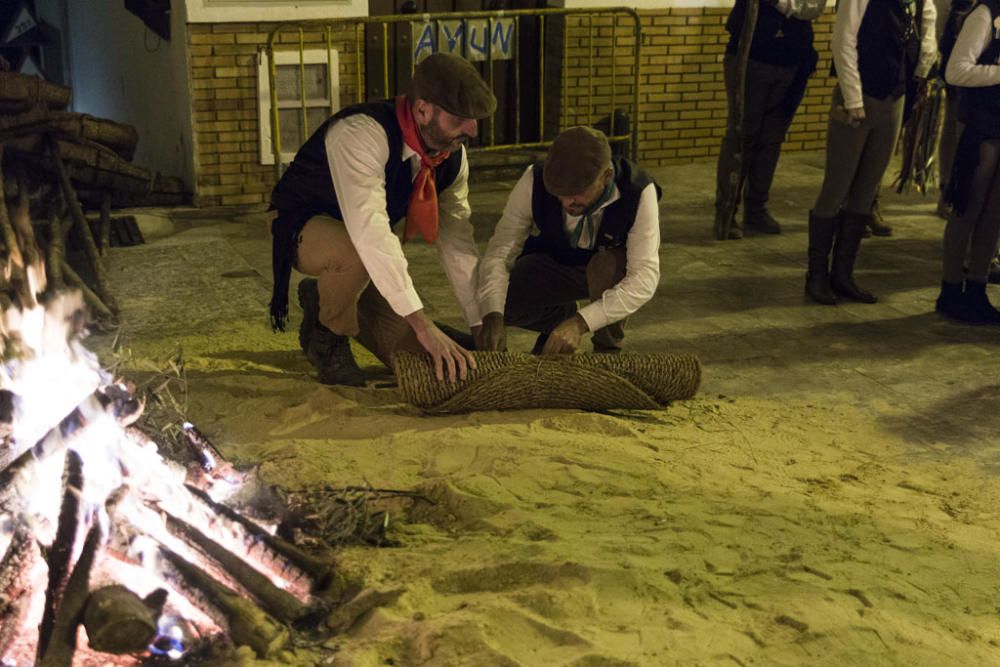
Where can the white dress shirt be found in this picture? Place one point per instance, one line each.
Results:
(963, 65)
(850, 14)
(642, 253)
(807, 10)
(357, 150)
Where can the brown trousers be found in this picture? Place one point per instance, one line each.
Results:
(349, 304)
(543, 293)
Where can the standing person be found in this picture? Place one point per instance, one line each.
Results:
(580, 225)
(973, 228)
(361, 172)
(782, 58)
(878, 45)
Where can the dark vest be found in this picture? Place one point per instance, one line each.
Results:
(777, 39)
(979, 108)
(307, 189)
(616, 221)
(889, 46)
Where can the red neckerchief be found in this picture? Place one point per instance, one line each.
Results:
(422, 211)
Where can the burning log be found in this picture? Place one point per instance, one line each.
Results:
(319, 571)
(62, 642)
(119, 621)
(284, 606)
(15, 585)
(248, 625)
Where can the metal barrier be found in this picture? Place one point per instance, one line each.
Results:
(281, 34)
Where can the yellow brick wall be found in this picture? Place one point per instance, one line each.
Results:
(223, 70)
(682, 98)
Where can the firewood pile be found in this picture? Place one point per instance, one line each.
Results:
(54, 162)
(109, 553)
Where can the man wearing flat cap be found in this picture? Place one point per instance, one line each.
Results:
(361, 172)
(579, 226)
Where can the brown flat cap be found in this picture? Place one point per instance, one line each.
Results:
(453, 84)
(575, 160)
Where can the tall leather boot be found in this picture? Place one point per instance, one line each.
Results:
(331, 354)
(821, 232)
(845, 251)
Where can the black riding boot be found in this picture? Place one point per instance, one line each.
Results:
(845, 251)
(818, 277)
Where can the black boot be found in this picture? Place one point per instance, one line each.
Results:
(951, 304)
(978, 304)
(762, 221)
(820, 241)
(845, 251)
(331, 354)
(309, 302)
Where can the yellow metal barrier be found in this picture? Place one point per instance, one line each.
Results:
(581, 18)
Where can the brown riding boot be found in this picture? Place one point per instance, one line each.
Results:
(845, 252)
(821, 232)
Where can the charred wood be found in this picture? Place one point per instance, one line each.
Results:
(60, 553)
(281, 604)
(119, 621)
(248, 624)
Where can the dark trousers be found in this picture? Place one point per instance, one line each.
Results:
(972, 237)
(543, 293)
(765, 124)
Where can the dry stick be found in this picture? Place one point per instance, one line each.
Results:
(105, 221)
(283, 605)
(69, 194)
(56, 255)
(72, 278)
(62, 645)
(61, 552)
(248, 624)
(21, 221)
(317, 569)
(9, 237)
(15, 585)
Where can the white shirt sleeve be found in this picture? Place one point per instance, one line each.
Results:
(963, 68)
(850, 13)
(807, 10)
(505, 246)
(928, 39)
(357, 150)
(456, 243)
(642, 272)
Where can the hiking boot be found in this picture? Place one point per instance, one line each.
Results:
(762, 221)
(821, 231)
(331, 354)
(309, 302)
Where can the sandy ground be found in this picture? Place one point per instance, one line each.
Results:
(828, 499)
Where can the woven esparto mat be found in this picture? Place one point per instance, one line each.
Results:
(514, 381)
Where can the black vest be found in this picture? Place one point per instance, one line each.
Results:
(889, 46)
(979, 108)
(777, 39)
(616, 221)
(307, 188)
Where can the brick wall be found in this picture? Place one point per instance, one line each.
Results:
(223, 66)
(682, 98)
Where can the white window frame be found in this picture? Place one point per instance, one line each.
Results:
(314, 56)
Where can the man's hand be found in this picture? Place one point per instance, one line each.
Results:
(451, 360)
(565, 338)
(492, 336)
(855, 116)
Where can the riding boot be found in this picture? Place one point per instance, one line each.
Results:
(821, 232)
(845, 252)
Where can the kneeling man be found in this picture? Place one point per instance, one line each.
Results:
(578, 226)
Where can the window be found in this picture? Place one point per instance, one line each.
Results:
(322, 98)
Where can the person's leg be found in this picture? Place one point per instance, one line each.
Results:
(542, 293)
(763, 157)
(605, 270)
(884, 122)
(985, 233)
(381, 330)
(330, 303)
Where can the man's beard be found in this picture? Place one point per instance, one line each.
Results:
(437, 140)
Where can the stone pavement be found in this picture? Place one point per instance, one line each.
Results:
(738, 305)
